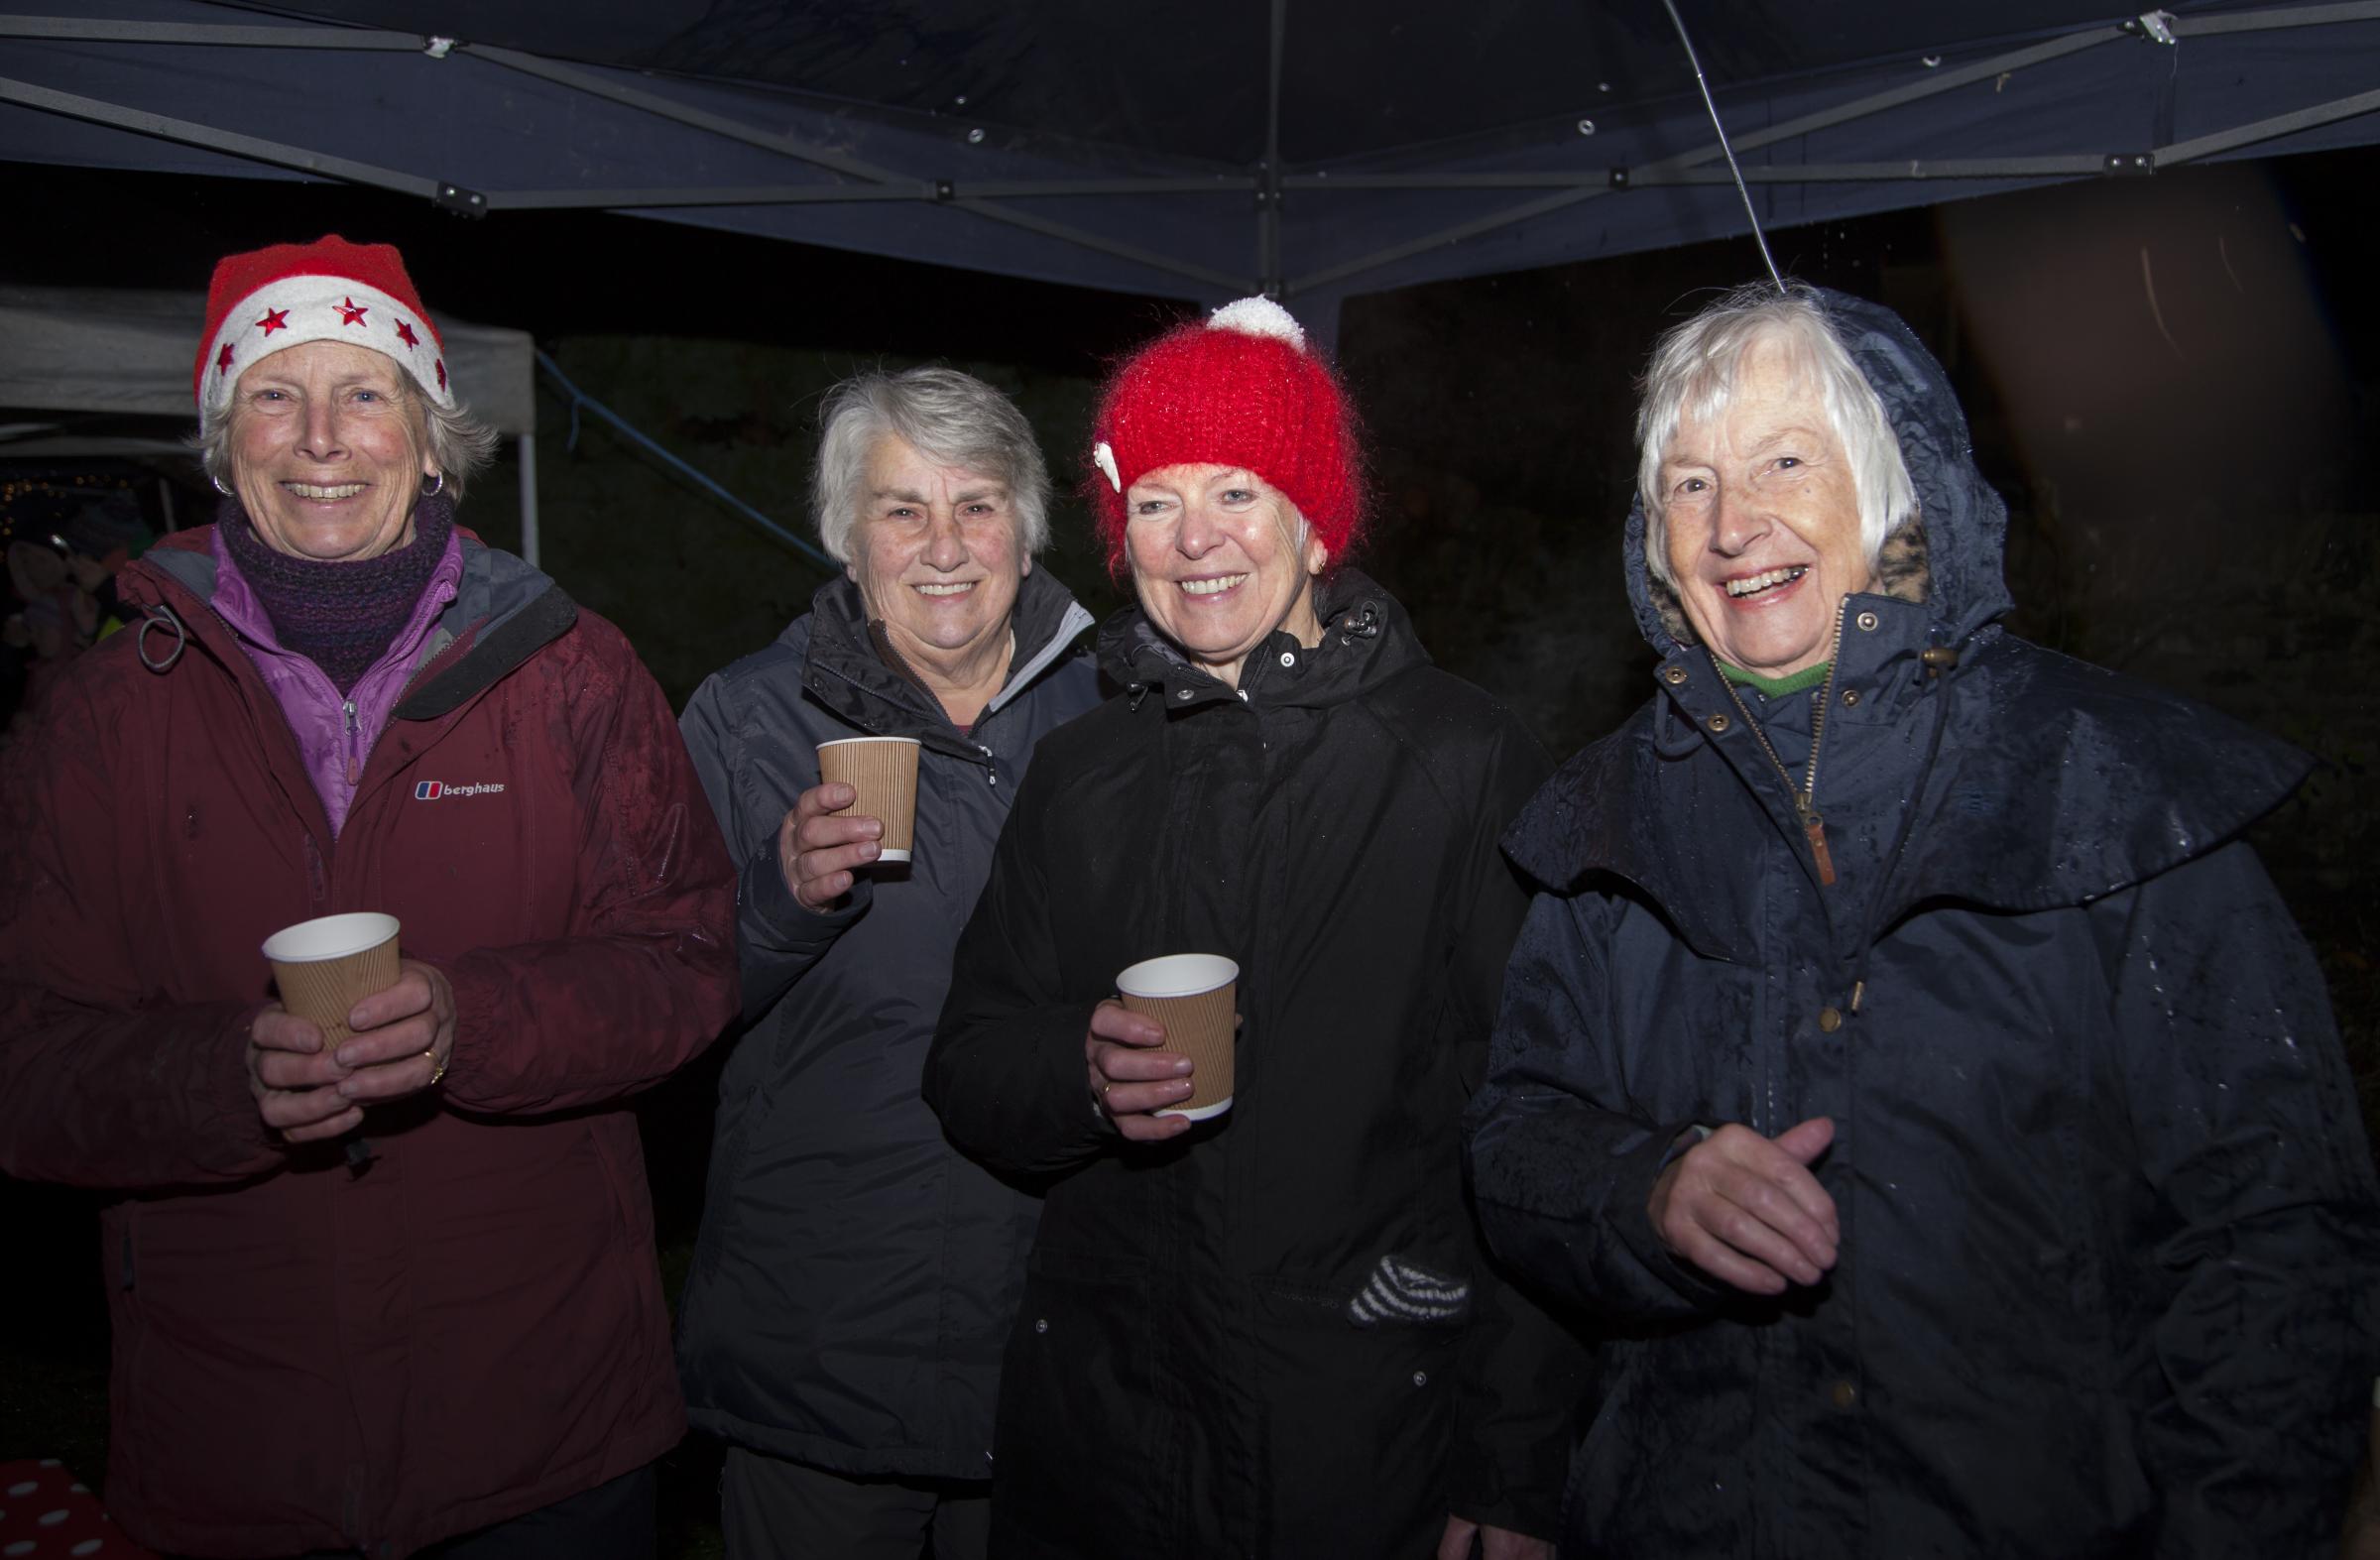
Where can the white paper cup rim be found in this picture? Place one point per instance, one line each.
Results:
(330, 937)
(1177, 975)
(1202, 1113)
(845, 742)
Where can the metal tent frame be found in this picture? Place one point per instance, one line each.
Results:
(2125, 98)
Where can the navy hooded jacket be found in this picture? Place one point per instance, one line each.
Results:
(2107, 1213)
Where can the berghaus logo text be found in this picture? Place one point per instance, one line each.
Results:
(432, 790)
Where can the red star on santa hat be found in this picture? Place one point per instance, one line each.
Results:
(442, 373)
(350, 312)
(405, 333)
(223, 359)
(274, 319)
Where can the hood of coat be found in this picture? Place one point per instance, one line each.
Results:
(1367, 639)
(842, 670)
(1965, 523)
(504, 610)
(2037, 781)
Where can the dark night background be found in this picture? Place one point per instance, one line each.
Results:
(2174, 382)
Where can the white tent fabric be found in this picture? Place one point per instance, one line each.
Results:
(76, 349)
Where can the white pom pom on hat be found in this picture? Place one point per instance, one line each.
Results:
(1258, 316)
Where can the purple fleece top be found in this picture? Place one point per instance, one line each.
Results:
(334, 734)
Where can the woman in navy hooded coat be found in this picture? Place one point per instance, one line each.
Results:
(1906, 1064)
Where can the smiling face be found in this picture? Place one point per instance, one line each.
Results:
(1217, 564)
(937, 557)
(1764, 521)
(326, 452)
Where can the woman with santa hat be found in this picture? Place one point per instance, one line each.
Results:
(1270, 1331)
(402, 1293)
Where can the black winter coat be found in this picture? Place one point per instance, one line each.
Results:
(1186, 1378)
(855, 1276)
(2109, 1225)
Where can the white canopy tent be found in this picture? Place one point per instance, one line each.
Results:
(129, 353)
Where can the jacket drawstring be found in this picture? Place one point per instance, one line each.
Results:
(160, 615)
(1938, 660)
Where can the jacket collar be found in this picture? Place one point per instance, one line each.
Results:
(1367, 639)
(504, 611)
(842, 670)
(2059, 783)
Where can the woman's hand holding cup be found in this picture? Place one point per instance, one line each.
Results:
(1130, 1077)
(294, 1078)
(394, 1042)
(820, 849)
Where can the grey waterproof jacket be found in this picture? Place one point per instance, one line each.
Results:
(1276, 1337)
(855, 1276)
(2108, 1256)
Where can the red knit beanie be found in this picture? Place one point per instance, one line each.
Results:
(327, 290)
(1238, 389)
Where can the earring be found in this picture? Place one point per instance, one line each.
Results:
(436, 484)
(219, 487)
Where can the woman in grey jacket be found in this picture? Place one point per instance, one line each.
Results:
(842, 1323)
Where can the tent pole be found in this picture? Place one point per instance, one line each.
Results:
(529, 498)
(191, 133)
(1936, 83)
(788, 145)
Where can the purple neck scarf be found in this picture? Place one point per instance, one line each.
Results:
(340, 616)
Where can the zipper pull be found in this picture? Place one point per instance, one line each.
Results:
(348, 709)
(1814, 829)
(991, 765)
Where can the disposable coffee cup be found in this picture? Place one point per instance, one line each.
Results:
(883, 771)
(324, 967)
(1194, 995)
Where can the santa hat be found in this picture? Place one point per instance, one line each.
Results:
(1241, 388)
(327, 290)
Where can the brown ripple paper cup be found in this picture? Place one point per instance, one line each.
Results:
(325, 967)
(1194, 995)
(883, 771)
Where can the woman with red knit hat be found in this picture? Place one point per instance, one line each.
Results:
(1269, 1332)
(399, 1295)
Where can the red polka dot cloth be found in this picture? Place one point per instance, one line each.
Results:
(46, 1512)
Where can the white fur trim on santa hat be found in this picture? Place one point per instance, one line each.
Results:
(298, 309)
(1258, 316)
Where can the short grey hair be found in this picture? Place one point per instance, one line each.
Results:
(949, 418)
(460, 444)
(1692, 378)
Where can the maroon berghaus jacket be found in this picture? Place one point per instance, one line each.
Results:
(454, 1317)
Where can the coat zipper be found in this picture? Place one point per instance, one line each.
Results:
(966, 748)
(1805, 796)
(346, 710)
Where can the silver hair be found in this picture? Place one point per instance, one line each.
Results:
(460, 444)
(1692, 376)
(949, 418)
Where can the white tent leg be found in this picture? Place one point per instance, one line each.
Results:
(529, 498)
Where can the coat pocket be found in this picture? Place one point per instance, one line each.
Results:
(1080, 1445)
(1358, 1425)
